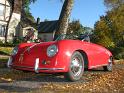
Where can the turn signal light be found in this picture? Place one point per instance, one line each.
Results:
(46, 62)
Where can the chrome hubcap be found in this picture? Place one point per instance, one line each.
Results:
(110, 64)
(76, 66)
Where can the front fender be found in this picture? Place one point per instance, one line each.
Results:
(65, 52)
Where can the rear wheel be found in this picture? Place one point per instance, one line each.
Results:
(76, 67)
(109, 66)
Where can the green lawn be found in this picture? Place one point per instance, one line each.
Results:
(5, 50)
(4, 59)
(4, 55)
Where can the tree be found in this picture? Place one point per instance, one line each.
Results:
(102, 33)
(75, 28)
(13, 9)
(23, 4)
(111, 25)
(26, 17)
(116, 16)
(113, 3)
(109, 30)
(64, 18)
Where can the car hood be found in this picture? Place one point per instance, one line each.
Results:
(29, 52)
(30, 46)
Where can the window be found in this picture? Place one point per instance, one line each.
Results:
(2, 30)
(1, 10)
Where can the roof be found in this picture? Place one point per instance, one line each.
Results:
(47, 26)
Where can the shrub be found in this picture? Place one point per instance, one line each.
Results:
(8, 44)
(17, 41)
(118, 52)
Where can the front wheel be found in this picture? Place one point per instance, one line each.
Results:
(109, 66)
(76, 67)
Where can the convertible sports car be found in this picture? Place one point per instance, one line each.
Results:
(65, 56)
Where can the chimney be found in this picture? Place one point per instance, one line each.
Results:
(38, 21)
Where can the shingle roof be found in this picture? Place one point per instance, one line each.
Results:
(47, 26)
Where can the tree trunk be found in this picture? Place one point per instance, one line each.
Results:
(64, 18)
(11, 11)
(16, 6)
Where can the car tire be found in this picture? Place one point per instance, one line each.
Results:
(76, 67)
(109, 66)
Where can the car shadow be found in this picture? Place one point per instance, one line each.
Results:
(96, 70)
(31, 83)
(35, 81)
(44, 78)
(13, 89)
(58, 78)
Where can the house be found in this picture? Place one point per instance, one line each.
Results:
(4, 17)
(12, 19)
(47, 29)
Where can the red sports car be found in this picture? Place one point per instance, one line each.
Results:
(65, 56)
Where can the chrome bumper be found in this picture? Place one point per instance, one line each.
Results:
(36, 66)
(9, 62)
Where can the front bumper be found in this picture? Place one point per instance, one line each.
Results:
(36, 67)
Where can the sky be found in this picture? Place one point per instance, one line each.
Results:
(87, 11)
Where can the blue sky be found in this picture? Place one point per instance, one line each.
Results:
(87, 11)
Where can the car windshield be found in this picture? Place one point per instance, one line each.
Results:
(66, 36)
(72, 37)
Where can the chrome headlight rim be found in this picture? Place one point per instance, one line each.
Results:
(14, 51)
(52, 50)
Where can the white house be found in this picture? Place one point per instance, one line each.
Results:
(5, 10)
(46, 30)
(4, 17)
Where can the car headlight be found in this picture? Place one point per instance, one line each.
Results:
(52, 50)
(15, 51)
